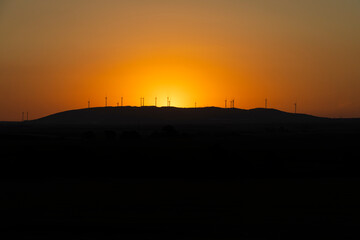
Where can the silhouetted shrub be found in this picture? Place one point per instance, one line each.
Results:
(169, 131)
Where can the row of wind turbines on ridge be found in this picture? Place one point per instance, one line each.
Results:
(168, 103)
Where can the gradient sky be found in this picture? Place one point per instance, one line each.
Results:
(56, 55)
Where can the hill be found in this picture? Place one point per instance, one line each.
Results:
(87, 171)
(172, 115)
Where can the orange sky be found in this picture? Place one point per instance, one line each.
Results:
(56, 55)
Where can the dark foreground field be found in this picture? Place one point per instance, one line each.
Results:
(240, 181)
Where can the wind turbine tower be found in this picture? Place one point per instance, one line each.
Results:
(232, 103)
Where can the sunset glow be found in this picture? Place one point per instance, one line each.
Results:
(55, 56)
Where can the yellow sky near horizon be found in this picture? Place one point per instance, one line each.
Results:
(56, 55)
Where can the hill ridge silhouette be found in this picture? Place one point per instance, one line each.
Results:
(174, 115)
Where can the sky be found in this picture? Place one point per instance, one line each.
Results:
(58, 55)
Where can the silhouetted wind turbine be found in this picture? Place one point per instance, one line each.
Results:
(265, 102)
(106, 101)
(155, 101)
(295, 106)
(121, 101)
(232, 103)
